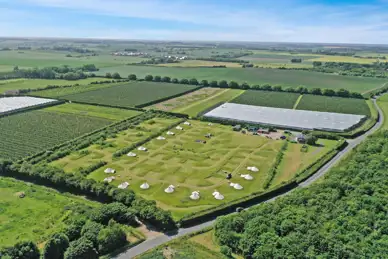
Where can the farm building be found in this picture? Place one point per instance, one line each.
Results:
(286, 118)
(13, 103)
(237, 128)
(263, 131)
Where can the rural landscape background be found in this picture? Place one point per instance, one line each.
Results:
(115, 142)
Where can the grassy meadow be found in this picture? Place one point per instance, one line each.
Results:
(113, 114)
(130, 94)
(286, 78)
(200, 63)
(36, 216)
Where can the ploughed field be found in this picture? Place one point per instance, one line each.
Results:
(185, 161)
(132, 94)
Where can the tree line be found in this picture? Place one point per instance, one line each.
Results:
(344, 216)
(235, 85)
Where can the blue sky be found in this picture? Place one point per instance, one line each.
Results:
(331, 21)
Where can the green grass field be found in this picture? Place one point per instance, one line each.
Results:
(291, 78)
(40, 213)
(269, 99)
(17, 84)
(182, 161)
(130, 94)
(197, 107)
(59, 92)
(333, 104)
(113, 114)
(383, 104)
(41, 59)
(30, 132)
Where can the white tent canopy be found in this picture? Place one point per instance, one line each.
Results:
(247, 177)
(218, 196)
(142, 149)
(109, 171)
(210, 124)
(170, 189)
(253, 168)
(131, 154)
(237, 186)
(145, 186)
(195, 195)
(109, 179)
(123, 185)
(160, 138)
(179, 128)
(170, 133)
(187, 123)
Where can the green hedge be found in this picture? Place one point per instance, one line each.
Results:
(273, 170)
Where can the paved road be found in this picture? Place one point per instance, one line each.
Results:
(154, 242)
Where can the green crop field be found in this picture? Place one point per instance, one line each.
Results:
(36, 216)
(130, 94)
(286, 78)
(269, 99)
(59, 92)
(184, 162)
(30, 132)
(195, 108)
(17, 84)
(94, 111)
(333, 104)
(57, 58)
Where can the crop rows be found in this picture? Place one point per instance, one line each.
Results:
(269, 99)
(130, 94)
(334, 104)
(28, 133)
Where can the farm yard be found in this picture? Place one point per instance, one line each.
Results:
(333, 104)
(27, 133)
(40, 213)
(183, 101)
(185, 161)
(131, 94)
(269, 99)
(254, 76)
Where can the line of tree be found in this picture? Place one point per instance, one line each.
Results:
(344, 216)
(266, 87)
(221, 59)
(296, 60)
(72, 49)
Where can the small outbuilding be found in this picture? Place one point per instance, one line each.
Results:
(237, 128)
(263, 131)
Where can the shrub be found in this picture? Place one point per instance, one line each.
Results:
(56, 246)
(148, 78)
(81, 248)
(21, 250)
(111, 238)
(90, 231)
(132, 77)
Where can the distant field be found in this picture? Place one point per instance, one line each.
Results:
(197, 107)
(286, 78)
(93, 111)
(130, 94)
(333, 104)
(183, 101)
(27, 133)
(59, 92)
(200, 63)
(328, 58)
(40, 83)
(38, 58)
(269, 99)
(36, 216)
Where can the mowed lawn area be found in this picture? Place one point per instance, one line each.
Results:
(113, 114)
(184, 161)
(268, 99)
(27, 133)
(254, 76)
(333, 104)
(17, 84)
(131, 94)
(36, 216)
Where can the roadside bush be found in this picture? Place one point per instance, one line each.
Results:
(111, 238)
(90, 231)
(56, 246)
(81, 248)
(116, 211)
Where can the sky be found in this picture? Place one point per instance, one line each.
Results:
(321, 21)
